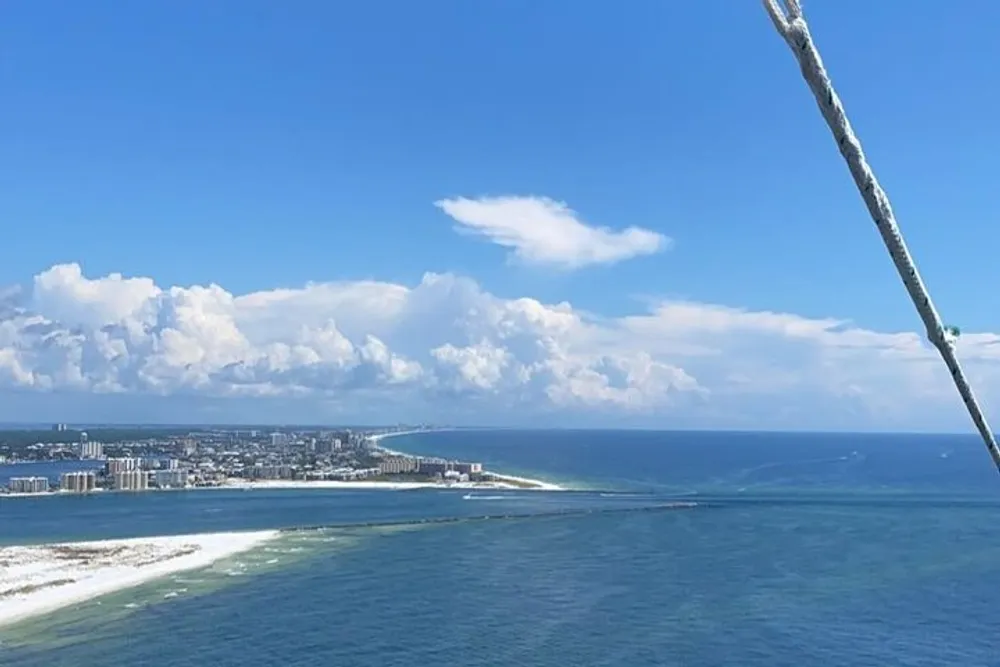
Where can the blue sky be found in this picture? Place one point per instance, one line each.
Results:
(258, 145)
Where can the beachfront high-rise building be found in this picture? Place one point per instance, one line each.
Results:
(467, 468)
(328, 445)
(78, 482)
(131, 480)
(281, 471)
(170, 478)
(91, 450)
(395, 465)
(115, 466)
(157, 463)
(28, 484)
(435, 466)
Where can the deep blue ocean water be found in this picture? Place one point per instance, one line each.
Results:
(803, 550)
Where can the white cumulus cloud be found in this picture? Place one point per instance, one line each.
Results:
(542, 231)
(446, 350)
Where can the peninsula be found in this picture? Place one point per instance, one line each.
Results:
(244, 459)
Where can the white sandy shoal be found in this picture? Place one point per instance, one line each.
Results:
(66, 574)
(539, 485)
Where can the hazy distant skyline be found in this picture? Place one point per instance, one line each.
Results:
(488, 214)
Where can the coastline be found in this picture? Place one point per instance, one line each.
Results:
(504, 481)
(499, 481)
(37, 580)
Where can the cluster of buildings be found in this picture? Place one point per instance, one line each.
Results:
(140, 474)
(119, 474)
(395, 464)
(348, 458)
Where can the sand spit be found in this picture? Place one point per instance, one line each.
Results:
(36, 580)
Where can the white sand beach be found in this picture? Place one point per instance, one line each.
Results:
(503, 482)
(392, 434)
(536, 484)
(35, 580)
(239, 483)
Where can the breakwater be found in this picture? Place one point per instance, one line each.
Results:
(519, 516)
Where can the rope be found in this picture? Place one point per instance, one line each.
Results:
(791, 25)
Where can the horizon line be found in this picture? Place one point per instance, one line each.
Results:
(74, 426)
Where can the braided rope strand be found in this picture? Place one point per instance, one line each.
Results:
(791, 25)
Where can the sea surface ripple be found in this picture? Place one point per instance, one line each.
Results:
(793, 550)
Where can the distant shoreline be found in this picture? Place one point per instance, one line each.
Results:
(499, 481)
(503, 480)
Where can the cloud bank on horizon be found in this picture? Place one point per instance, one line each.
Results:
(445, 350)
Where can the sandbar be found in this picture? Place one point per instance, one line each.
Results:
(36, 580)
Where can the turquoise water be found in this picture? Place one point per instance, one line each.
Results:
(804, 550)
